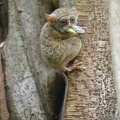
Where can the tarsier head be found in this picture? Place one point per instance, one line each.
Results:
(63, 19)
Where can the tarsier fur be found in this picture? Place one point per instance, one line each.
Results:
(58, 47)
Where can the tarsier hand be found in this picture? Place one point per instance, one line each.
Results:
(59, 44)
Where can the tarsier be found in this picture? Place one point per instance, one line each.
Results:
(59, 41)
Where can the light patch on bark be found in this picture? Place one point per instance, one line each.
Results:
(114, 19)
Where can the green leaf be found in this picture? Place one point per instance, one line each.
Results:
(71, 31)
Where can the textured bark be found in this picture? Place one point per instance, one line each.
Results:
(23, 99)
(114, 18)
(91, 93)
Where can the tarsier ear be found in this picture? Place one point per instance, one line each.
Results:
(50, 18)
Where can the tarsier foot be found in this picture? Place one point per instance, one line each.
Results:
(75, 66)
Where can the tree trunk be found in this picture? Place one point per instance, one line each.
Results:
(91, 92)
(35, 91)
(23, 99)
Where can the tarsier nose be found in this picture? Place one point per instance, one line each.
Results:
(70, 25)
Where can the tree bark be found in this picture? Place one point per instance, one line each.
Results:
(91, 92)
(23, 99)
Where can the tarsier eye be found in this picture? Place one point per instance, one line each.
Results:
(72, 19)
(63, 22)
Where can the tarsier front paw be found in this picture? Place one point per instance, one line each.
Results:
(75, 66)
